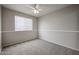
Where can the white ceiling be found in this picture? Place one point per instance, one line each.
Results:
(46, 8)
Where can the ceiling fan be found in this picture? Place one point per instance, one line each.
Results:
(35, 8)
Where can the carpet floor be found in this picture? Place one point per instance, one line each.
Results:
(37, 47)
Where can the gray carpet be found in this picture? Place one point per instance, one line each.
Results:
(37, 47)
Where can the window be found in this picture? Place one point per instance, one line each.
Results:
(23, 24)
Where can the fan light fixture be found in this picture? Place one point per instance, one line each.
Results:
(36, 10)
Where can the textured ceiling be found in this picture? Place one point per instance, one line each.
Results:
(46, 8)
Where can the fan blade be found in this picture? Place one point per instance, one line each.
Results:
(30, 7)
(40, 9)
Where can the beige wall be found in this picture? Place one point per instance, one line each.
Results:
(60, 27)
(8, 26)
(78, 30)
(0, 29)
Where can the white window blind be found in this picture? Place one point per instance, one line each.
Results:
(23, 24)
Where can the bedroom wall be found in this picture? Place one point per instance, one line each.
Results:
(61, 27)
(0, 29)
(9, 35)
